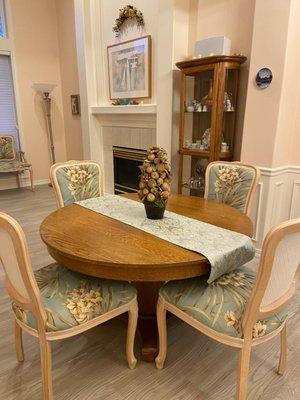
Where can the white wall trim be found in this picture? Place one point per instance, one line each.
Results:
(277, 199)
(294, 203)
(279, 170)
(10, 183)
(258, 211)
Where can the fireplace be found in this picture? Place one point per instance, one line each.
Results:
(126, 169)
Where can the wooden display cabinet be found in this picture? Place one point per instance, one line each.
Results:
(208, 103)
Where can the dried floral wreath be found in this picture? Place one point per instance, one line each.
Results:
(125, 13)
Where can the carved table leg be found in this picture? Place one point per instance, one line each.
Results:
(147, 325)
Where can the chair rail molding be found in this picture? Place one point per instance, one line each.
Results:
(277, 199)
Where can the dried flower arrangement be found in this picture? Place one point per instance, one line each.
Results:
(155, 179)
(125, 13)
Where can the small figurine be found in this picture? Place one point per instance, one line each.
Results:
(199, 107)
(206, 139)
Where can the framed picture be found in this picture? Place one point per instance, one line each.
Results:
(75, 104)
(129, 69)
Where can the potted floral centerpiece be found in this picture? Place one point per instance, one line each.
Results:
(155, 182)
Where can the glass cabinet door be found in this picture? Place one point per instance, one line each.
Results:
(198, 107)
(226, 142)
(193, 176)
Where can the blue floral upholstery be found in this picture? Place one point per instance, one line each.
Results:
(230, 184)
(221, 304)
(7, 151)
(78, 182)
(72, 299)
(13, 166)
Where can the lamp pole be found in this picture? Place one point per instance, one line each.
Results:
(47, 102)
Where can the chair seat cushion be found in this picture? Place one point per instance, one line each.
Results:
(12, 166)
(221, 304)
(72, 299)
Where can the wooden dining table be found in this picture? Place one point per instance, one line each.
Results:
(93, 244)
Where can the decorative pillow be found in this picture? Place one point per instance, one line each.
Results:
(7, 151)
(78, 182)
(221, 304)
(230, 184)
(72, 299)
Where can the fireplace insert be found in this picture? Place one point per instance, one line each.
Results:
(126, 169)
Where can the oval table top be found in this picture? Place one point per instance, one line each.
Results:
(96, 245)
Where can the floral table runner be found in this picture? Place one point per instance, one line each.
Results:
(226, 250)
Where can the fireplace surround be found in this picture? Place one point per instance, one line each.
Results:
(126, 169)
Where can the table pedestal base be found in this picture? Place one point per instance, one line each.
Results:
(147, 325)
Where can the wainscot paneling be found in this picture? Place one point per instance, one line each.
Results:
(277, 199)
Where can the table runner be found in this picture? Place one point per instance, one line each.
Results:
(225, 250)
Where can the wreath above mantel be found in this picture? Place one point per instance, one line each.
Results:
(126, 13)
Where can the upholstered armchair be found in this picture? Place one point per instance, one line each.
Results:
(76, 180)
(241, 309)
(232, 183)
(12, 161)
(55, 303)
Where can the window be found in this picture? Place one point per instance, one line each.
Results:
(2, 20)
(8, 117)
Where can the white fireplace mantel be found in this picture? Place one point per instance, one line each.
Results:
(130, 109)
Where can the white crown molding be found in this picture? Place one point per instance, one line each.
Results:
(265, 171)
(130, 109)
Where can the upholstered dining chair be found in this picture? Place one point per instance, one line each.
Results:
(12, 161)
(232, 183)
(54, 303)
(239, 309)
(76, 180)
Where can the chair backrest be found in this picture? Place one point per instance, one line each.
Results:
(19, 278)
(7, 148)
(232, 183)
(275, 284)
(76, 180)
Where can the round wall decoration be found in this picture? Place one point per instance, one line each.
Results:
(264, 78)
(126, 13)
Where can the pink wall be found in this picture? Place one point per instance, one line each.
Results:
(271, 120)
(69, 76)
(287, 143)
(37, 60)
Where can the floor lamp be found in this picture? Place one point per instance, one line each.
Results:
(46, 89)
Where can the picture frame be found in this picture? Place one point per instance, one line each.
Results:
(129, 69)
(75, 104)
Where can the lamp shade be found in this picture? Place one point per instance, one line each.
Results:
(44, 87)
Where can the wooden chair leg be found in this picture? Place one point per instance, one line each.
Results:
(131, 331)
(18, 180)
(162, 333)
(19, 342)
(283, 352)
(46, 365)
(243, 371)
(31, 179)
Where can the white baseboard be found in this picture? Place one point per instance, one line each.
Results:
(10, 183)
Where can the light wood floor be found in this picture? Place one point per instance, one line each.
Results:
(93, 365)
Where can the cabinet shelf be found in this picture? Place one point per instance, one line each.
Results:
(195, 152)
(197, 112)
(225, 155)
